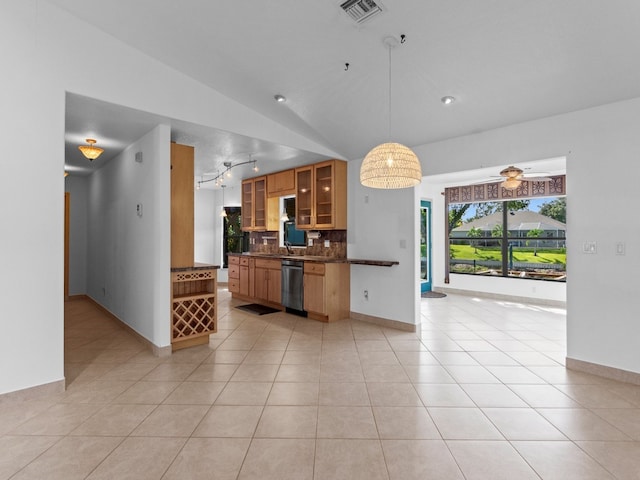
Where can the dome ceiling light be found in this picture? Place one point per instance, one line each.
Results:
(90, 151)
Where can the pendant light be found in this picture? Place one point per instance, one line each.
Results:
(223, 212)
(91, 151)
(390, 165)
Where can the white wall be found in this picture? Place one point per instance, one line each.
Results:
(525, 289)
(208, 225)
(78, 195)
(384, 225)
(602, 146)
(205, 226)
(129, 255)
(44, 51)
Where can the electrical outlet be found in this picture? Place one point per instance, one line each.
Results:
(620, 248)
(366, 294)
(327, 244)
(264, 241)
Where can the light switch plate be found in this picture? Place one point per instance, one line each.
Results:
(590, 247)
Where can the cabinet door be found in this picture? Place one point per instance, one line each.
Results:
(260, 203)
(247, 205)
(304, 197)
(314, 293)
(244, 280)
(262, 283)
(324, 195)
(182, 219)
(275, 286)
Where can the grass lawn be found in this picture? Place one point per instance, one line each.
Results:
(467, 252)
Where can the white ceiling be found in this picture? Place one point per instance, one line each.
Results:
(505, 61)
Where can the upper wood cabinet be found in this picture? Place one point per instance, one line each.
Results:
(281, 183)
(258, 212)
(182, 224)
(321, 196)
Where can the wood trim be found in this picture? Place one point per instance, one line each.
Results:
(603, 371)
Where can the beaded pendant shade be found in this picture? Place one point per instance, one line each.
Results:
(91, 151)
(390, 165)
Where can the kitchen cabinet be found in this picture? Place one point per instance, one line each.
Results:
(321, 196)
(193, 300)
(234, 274)
(240, 275)
(259, 213)
(182, 223)
(267, 280)
(327, 290)
(281, 184)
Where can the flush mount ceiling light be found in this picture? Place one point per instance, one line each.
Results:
(513, 176)
(280, 98)
(390, 165)
(448, 100)
(91, 151)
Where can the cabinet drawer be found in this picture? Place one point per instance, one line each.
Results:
(234, 271)
(233, 260)
(244, 261)
(234, 285)
(268, 263)
(314, 268)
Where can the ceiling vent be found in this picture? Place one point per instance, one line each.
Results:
(361, 10)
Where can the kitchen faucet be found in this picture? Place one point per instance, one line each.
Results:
(289, 249)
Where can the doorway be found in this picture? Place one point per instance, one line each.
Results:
(425, 246)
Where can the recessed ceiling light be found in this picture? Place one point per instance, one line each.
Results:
(280, 98)
(448, 100)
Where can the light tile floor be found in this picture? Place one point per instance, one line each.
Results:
(479, 393)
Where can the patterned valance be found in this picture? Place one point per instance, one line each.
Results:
(492, 192)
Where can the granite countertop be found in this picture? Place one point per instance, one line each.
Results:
(196, 266)
(320, 259)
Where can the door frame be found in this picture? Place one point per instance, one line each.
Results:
(426, 284)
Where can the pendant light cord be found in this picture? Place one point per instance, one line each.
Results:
(389, 118)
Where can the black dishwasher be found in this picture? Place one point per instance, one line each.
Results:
(292, 284)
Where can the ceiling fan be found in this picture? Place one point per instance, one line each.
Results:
(513, 177)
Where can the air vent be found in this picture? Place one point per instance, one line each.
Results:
(361, 10)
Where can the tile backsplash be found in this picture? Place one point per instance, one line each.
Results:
(337, 244)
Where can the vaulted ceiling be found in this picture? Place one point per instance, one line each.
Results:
(504, 61)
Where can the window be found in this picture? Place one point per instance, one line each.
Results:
(234, 240)
(513, 238)
(290, 234)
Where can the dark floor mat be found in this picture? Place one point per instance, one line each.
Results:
(433, 295)
(257, 309)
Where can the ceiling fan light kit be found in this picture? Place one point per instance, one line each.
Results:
(90, 151)
(391, 165)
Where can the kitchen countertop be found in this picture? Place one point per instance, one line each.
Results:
(196, 266)
(320, 259)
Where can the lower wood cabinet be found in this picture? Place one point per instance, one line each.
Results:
(327, 290)
(326, 285)
(267, 279)
(194, 312)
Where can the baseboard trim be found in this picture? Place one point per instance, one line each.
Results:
(34, 393)
(501, 296)
(156, 350)
(603, 371)
(384, 322)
